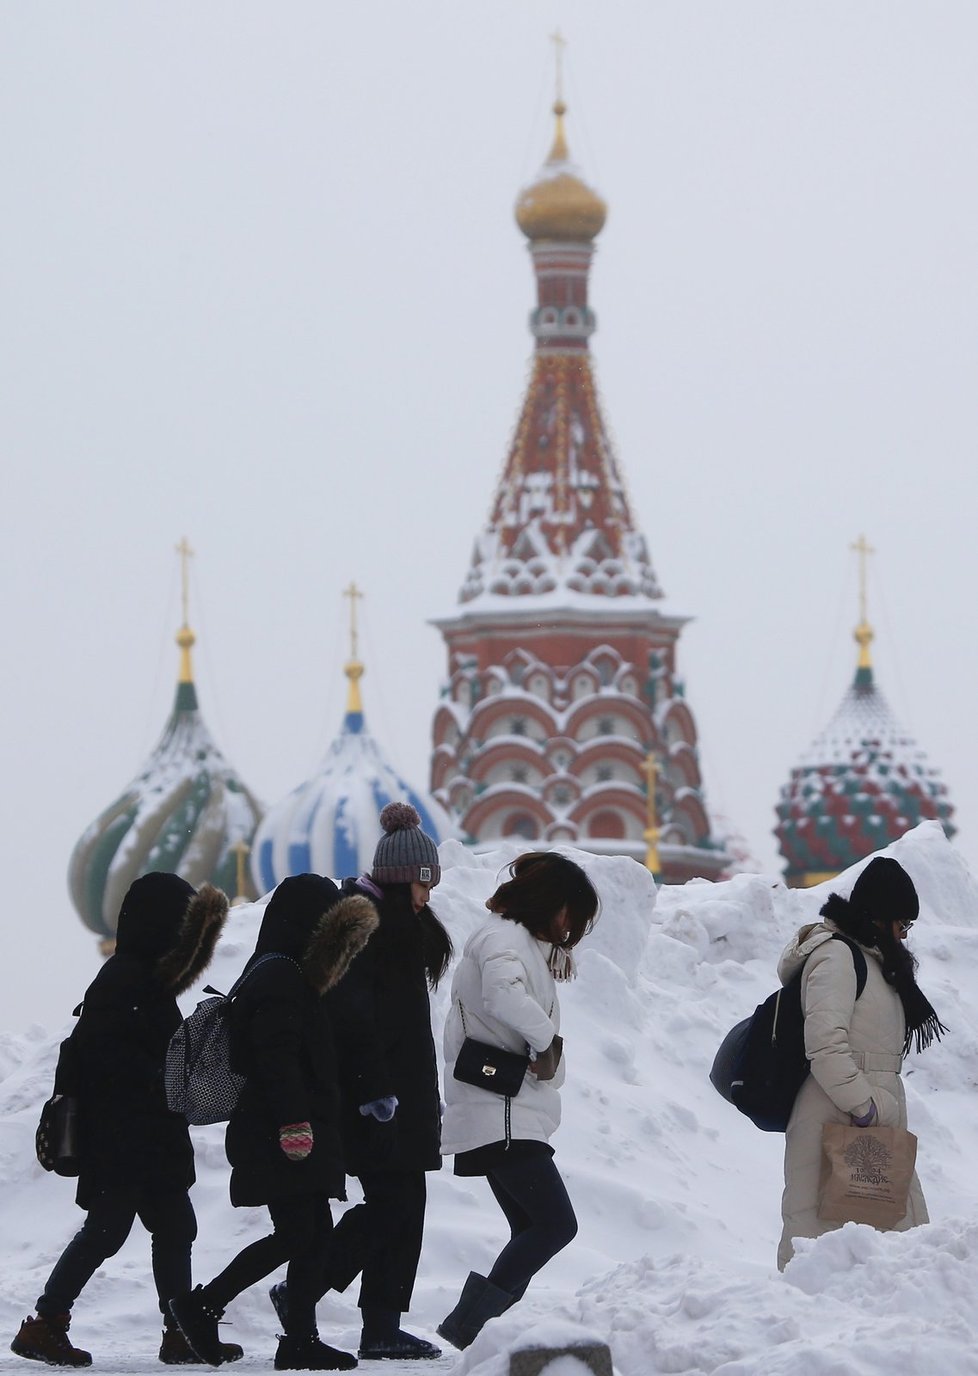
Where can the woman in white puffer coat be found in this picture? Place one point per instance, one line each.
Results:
(504, 993)
(856, 1046)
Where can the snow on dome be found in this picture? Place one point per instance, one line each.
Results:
(186, 811)
(331, 823)
(862, 782)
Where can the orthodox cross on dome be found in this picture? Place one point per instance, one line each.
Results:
(560, 43)
(185, 636)
(863, 634)
(651, 833)
(240, 850)
(353, 669)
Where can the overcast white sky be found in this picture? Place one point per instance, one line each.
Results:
(261, 286)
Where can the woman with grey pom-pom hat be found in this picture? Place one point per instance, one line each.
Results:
(389, 1081)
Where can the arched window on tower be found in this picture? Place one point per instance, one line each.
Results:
(607, 826)
(521, 824)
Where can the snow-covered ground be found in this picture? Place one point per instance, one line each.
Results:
(677, 1194)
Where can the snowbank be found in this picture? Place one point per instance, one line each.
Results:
(677, 1194)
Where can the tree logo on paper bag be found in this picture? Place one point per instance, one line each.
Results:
(869, 1160)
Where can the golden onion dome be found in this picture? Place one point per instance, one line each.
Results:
(559, 204)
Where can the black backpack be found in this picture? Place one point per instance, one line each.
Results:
(761, 1063)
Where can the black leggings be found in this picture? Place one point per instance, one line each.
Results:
(302, 1234)
(540, 1215)
(169, 1220)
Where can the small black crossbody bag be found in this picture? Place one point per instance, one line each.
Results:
(489, 1067)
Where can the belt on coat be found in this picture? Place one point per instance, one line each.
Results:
(877, 1060)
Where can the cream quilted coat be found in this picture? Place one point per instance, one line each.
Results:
(856, 1050)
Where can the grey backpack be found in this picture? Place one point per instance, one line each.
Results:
(197, 1076)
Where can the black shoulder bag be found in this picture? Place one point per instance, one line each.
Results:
(489, 1067)
(56, 1140)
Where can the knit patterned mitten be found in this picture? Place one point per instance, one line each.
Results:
(296, 1140)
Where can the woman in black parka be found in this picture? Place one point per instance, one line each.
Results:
(136, 1156)
(389, 1078)
(283, 1140)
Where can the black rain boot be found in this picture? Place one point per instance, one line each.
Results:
(383, 1338)
(307, 1353)
(479, 1302)
(279, 1296)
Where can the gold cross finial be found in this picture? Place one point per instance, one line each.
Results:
(560, 43)
(185, 636)
(652, 862)
(864, 632)
(240, 850)
(353, 593)
(186, 554)
(354, 669)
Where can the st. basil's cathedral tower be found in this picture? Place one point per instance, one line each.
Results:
(563, 718)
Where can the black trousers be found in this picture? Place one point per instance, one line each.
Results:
(541, 1219)
(380, 1241)
(301, 1237)
(168, 1218)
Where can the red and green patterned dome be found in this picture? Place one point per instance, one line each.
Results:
(862, 783)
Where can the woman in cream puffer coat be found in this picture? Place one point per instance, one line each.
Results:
(856, 1046)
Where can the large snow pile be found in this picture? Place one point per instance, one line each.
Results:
(676, 1193)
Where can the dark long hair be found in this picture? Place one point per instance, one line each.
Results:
(541, 883)
(899, 965)
(436, 944)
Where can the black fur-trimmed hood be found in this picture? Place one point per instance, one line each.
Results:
(339, 936)
(193, 949)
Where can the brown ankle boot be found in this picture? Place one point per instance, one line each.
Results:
(45, 1339)
(176, 1351)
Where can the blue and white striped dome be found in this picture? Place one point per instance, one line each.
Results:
(330, 824)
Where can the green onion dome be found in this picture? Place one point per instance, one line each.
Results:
(186, 812)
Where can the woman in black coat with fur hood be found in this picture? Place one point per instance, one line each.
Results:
(389, 1079)
(136, 1156)
(283, 1140)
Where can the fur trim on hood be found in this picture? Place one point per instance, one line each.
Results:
(190, 956)
(340, 936)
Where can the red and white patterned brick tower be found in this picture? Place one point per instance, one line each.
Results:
(562, 698)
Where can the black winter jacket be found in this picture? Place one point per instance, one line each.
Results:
(129, 1138)
(282, 1041)
(382, 1017)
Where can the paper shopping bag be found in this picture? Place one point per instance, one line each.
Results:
(866, 1174)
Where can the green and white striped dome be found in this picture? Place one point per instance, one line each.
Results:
(186, 811)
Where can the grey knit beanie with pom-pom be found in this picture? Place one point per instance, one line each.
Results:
(404, 854)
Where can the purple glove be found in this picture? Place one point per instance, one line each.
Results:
(868, 1119)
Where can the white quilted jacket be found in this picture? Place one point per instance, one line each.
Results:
(504, 986)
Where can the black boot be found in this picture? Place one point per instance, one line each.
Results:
(197, 1321)
(309, 1354)
(383, 1338)
(479, 1302)
(176, 1351)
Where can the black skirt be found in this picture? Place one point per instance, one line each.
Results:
(482, 1160)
